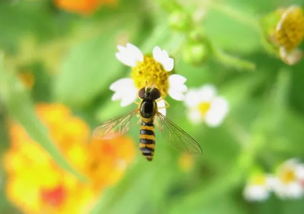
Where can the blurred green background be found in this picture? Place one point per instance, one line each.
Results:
(53, 54)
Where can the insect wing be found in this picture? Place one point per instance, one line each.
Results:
(177, 136)
(114, 127)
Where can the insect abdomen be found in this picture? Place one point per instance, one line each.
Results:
(147, 138)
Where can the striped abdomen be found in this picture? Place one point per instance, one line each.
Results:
(147, 138)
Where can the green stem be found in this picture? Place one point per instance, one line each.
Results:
(232, 61)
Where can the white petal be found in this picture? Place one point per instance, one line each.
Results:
(207, 92)
(129, 55)
(218, 110)
(291, 190)
(204, 94)
(177, 87)
(124, 90)
(290, 57)
(256, 193)
(192, 98)
(163, 58)
(161, 106)
(195, 116)
(136, 52)
(220, 105)
(213, 120)
(271, 181)
(300, 172)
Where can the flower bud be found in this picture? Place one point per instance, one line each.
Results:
(195, 52)
(180, 20)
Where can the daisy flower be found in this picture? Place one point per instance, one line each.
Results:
(204, 105)
(258, 187)
(147, 71)
(289, 33)
(289, 180)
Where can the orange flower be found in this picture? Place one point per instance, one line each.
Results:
(105, 156)
(36, 184)
(81, 6)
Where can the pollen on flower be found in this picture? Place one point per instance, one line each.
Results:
(290, 30)
(186, 162)
(147, 71)
(258, 180)
(150, 73)
(204, 107)
(287, 176)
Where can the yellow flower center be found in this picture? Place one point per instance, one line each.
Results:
(287, 176)
(290, 32)
(186, 162)
(204, 107)
(259, 180)
(150, 73)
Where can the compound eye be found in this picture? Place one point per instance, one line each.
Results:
(155, 94)
(141, 93)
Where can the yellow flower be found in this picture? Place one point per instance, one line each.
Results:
(81, 6)
(37, 185)
(289, 33)
(186, 162)
(107, 155)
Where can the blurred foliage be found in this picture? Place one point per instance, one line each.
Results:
(71, 60)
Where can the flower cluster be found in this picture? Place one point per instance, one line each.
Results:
(288, 34)
(35, 182)
(286, 183)
(157, 71)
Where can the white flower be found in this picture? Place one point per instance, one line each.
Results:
(147, 71)
(204, 105)
(289, 180)
(258, 188)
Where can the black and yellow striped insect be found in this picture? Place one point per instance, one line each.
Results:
(148, 112)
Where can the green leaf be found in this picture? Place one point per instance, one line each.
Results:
(234, 29)
(141, 190)
(224, 203)
(90, 67)
(19, 105)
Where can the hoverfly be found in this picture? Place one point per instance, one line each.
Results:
(148, 112)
